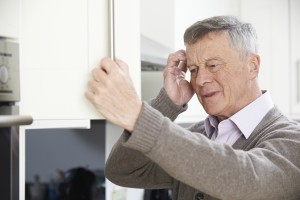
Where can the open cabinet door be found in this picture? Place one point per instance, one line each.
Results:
(127, 37)
(60, 43)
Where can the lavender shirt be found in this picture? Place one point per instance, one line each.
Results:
(241, 123)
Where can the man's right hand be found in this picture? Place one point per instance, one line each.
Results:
(177, 87)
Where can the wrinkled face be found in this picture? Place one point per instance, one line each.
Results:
(221, 79)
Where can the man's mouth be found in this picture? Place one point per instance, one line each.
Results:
(209, 94)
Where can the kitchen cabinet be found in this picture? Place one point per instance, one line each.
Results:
(294, 15)
(54, 50)
(9, 18)
(60, 43)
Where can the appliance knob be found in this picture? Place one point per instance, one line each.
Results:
(3, 74)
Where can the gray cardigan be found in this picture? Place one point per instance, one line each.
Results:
(161, 154)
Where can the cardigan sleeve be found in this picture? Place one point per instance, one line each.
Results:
(131, 168)
(269, 170)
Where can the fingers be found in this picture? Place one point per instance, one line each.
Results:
(102, 77)
(122, 65)
(92, 92)
(94, 86)
(110, 66)
(182, 66)
(90, 96)
(107, 67)
(99, 74)
(175, 58)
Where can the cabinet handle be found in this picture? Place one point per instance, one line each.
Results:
(15, 120)
(112, 28)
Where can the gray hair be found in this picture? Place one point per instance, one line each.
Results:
(242, 35)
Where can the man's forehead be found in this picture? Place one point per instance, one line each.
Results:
(211, 47)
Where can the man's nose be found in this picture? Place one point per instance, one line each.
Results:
(203, 76)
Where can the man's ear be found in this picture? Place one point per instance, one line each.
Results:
(254, 65)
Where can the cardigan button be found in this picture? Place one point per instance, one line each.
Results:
(199, 196)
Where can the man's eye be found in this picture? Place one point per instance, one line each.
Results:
(193, 70)
(212, 65)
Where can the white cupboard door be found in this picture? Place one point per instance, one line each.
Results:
(60, 42)
(98, 43)
(295, 55)
(127, 37)
(9, 18)
(271, 21)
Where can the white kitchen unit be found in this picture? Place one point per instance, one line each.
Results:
(295, 57)
(60, 43)
(54, 51)
(9, 18)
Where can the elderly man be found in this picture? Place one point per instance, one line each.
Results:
(245, 149)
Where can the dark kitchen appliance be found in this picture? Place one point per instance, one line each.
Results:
(79, 184)
(10, 120)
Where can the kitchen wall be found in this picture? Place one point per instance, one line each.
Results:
(188, 12)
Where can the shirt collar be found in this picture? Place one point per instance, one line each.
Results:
(210, 123)
(249, 117)
(246, 119)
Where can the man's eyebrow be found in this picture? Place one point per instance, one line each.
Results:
(188, 65)
(191, 63)
(214, 58)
